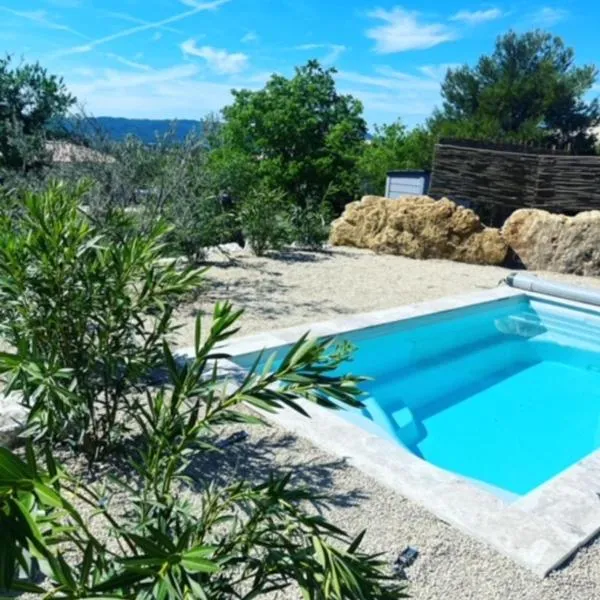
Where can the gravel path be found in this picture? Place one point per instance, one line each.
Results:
(306, 287)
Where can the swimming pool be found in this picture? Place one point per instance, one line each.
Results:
(507, 395)
(484, 408)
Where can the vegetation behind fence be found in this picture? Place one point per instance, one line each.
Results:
(505, 178)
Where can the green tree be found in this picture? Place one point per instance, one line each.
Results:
(300, 134)
(529, 88)
(30, 101)
(393, 147)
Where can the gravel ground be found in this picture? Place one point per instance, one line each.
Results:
(297, 288)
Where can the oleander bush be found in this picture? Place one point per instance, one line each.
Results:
(236, 540)
(310, 224)
(87, 321)
(264, 216)
(85, 315)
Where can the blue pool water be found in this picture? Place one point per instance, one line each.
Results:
(506, 393)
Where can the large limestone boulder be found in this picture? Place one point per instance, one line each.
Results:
(552, 242)
(418, 227)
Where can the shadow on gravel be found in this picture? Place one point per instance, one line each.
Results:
(266, 298)
(299, 255)
(254, 461)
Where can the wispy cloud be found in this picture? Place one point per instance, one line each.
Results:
(548, 16)
(131, 19)
(197, 7)
(438, 72)
(157, 36)
(334, 51)
(404, 30)
(204, 5)
(249, 38)
(83, 71)
(129, 63)
(220, 61)
(111, 78)
(390, 79)
(41, 18)
(174, 92)
(65, 3)
(391, 91)
(416, 106)
(476, 17)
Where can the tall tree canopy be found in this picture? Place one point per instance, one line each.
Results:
(299, 134)
(30, 100)
(529, 88)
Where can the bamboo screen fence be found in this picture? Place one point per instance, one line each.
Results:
(504, 178)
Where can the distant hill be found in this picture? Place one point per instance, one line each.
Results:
(118, 128)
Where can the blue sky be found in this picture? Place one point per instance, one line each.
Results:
(181, 58)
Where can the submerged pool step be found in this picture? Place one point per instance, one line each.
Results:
(587, 329)
(400, 424)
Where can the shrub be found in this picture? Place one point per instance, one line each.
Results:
(241, 540)
(264, 219)
(86, 317)
(310, 224)
(199, 223)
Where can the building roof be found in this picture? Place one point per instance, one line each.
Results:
(67, 152)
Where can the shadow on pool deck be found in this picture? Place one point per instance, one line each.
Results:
(253, 460)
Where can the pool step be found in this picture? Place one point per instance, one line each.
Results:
(587, 329)
(401, 424)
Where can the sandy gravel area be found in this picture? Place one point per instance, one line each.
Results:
(304, 287)
(298, 288)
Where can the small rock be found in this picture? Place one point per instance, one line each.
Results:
(13, 416)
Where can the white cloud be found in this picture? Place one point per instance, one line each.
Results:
(184, 91)
(218, 60)
(41, 18)
(438, 72)
(335, 51)
(197, 7)
(129, 63)
(75, 50)
(476, 17)
(174, 92)
(113, 79)
(388, 94)
(403, 30)
(548, 16)
(250, 38)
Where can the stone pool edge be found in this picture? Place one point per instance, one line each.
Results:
(539, 531)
